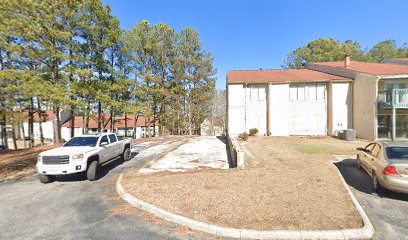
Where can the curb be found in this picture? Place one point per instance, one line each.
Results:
(365, 232)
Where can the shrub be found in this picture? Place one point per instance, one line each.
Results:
(244, 136)
(253, 131)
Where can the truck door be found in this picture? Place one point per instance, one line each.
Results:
(115, 145)
(104, 149)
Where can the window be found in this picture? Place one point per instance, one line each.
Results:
(311, 92)
(81, 142)
(397, 152)
(112, 138)
(104, 139)
(320, 92)
(293, 93)
(257, 93)
(254, 93)
(376, 150)
(369, 147)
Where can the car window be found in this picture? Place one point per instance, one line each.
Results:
(112, 138)
(81, 142)
(369, 147)
(376, 150)
(104, 139)
(397, 152)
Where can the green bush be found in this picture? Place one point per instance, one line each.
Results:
(244, 136)
(253, 131)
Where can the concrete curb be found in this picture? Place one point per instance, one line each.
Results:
(362, 233)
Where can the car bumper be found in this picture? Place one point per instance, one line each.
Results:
(61, 169)
(397, 184)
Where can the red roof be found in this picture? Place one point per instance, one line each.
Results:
(45, 115)
(279, 76)
(371, 68)
(119, 121)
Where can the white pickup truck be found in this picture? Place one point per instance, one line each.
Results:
(80, 154)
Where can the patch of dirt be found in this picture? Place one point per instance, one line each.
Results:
(13, 162)
(287, 183)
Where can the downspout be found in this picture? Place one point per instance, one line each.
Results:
(245, 88)
(268, 112)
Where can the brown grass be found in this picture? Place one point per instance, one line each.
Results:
(287, 183)
(14, 162)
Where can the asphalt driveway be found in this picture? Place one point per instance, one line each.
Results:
(387, 211)
(74, 208)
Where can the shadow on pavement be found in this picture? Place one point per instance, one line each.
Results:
(361, 181)
(104, 170)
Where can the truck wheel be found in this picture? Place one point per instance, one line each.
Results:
(125, 155)
(46, 178)
(92, 171)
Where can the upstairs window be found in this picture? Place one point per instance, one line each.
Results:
(310, 92)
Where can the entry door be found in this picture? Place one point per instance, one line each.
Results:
(308, 105)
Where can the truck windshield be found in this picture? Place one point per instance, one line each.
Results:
(82, 142)
(397, 152)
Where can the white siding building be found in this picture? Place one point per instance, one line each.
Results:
(287, 102)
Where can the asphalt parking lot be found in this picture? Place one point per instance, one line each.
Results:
(387, 211)
(74, 208)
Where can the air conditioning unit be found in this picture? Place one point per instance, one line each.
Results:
(349, 134)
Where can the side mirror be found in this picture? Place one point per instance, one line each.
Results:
(103, 144)
(361, 149)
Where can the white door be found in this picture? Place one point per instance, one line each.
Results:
(256, 108)
(308, 114)
(104, 149)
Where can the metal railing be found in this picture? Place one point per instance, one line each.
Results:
(395, 98)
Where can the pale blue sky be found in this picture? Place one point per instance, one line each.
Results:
(260, 34)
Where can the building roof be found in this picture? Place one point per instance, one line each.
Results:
(45, 115)
(279, 76)
(370, 68)
(119, 121)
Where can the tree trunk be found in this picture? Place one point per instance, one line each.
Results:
(154, 123)
(4, 132)
(40, 122)
(13, 135)
(126, 126)
(23, 132)
(57, 127)
(99, 115)
(83, 123)
(88, 107)
(72, 122)
(135, 125)
(31, 123)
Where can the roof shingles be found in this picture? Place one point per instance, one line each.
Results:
(279, 76)
(370, 68)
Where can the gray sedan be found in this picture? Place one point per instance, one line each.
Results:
(387, 164)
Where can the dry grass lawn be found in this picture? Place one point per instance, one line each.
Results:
(287, 183)
(13, 162)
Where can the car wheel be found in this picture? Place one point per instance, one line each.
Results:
(93, 171)
(358, 161)
(125, 155)
(46, 178)
(376, 185)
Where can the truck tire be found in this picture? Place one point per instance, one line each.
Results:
(93, 171)
(46, 178)
(125, 155)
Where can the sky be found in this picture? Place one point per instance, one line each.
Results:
(255, 34)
